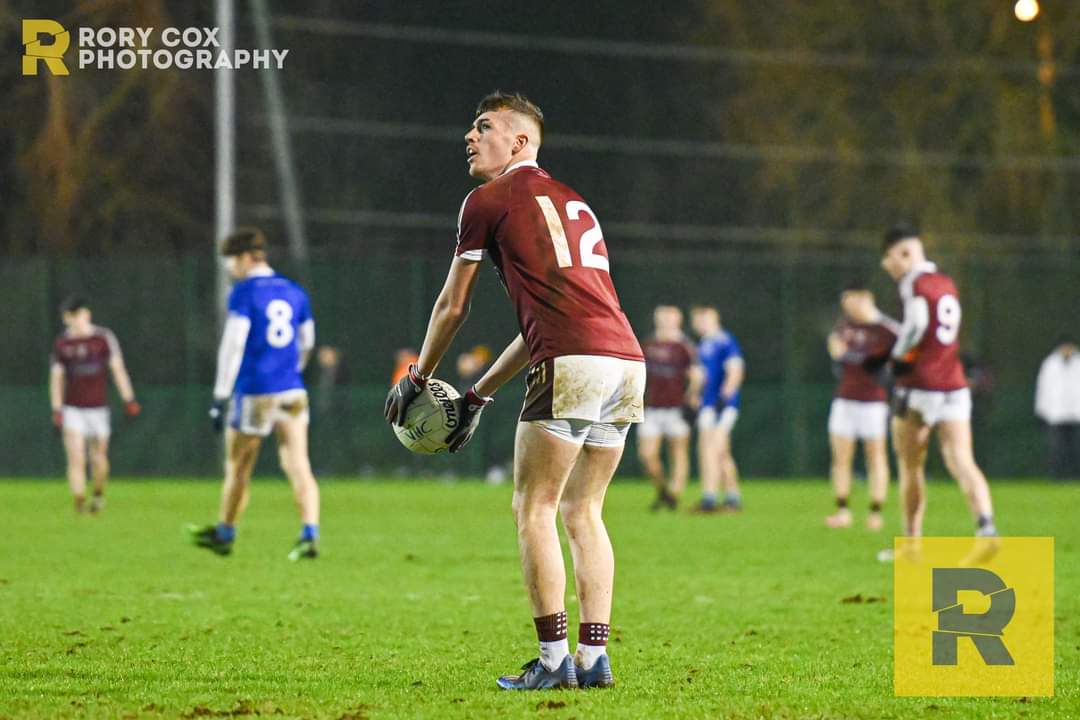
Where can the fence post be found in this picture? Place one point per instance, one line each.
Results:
(788, 383)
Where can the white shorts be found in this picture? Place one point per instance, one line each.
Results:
(88, 422)
(665, 422)
(583, 432)
(725, 420)
(859, 420)
(258, 414)
(586, 387)
(936, 406)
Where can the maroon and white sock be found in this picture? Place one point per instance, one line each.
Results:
(551, 631)
(592, 643)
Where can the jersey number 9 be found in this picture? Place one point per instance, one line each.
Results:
(948, 317)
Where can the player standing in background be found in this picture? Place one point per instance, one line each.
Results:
(585, 382)
(860, 408)
(724, 372)
(268, 337)
(931, 391)
(669, 385)
(82, 358)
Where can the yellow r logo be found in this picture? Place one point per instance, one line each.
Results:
(52, 54)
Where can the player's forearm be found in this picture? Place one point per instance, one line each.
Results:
(448, 314)
(56, 388)
(916, 320)
(513, 360)
(446, 320)
(305, 342)
(734, 380)
(123, 382)
(230, 355)
(695, 383)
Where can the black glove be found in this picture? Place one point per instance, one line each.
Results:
(217, 415)
(402, 395)
(689, 413)
(469, 407)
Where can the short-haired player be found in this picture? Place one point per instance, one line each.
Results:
(669, 388)
(931, 391)
(724, 370)
(860, 407)
(268, 337)
(82, 358)
(585, 382)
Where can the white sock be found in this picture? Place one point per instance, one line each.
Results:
(553, 653)
(587, 655)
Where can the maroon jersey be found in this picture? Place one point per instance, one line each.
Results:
(86, 366)
(936, 357)
(864, 341)
(548, 249)
(667, 364)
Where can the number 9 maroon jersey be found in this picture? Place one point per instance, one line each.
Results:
(937, 356)
(549, 251)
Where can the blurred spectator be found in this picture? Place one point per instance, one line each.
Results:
(1057, 403)
(331, 378)
(403, 358)
(330, 404)
(471, 364)
(980, 379)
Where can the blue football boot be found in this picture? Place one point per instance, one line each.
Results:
(598, 676)
(537, 677)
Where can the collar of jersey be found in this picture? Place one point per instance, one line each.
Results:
(920, 269)
(523, 163)
(260, 272)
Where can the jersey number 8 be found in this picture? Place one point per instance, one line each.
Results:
(948, 317)
(279, 331)
(589, 239)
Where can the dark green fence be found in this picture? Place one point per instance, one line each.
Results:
(163, 310)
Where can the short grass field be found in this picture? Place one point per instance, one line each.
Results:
(417, 605)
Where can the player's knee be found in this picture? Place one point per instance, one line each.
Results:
(577, 514)
(531, 511)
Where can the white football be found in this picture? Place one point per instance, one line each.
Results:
(430, 418)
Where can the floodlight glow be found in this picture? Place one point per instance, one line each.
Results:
(1026, 10)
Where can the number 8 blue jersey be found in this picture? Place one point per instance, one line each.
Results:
(277, 308)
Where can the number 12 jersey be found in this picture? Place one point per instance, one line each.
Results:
(547, 246)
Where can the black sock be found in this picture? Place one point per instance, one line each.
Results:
(875, 507)
(841, 502)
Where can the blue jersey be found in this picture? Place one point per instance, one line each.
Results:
(276, 307)
(713, 353)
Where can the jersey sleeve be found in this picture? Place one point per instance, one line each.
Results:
(733, 351)
(475, 226)
(54, 354)
(240, 301)
(112, 343)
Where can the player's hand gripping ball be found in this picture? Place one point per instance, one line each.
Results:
(432, 415)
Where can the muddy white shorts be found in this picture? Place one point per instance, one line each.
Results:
(933, 405)
(586, 399)
(858, 420)
(258, 414)
(665, 422)
(88, 422)
(709, 419)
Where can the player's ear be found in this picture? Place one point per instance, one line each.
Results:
(521, 140)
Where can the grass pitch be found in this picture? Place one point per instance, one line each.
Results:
(417, 605)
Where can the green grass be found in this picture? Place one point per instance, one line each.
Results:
(417, 605)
